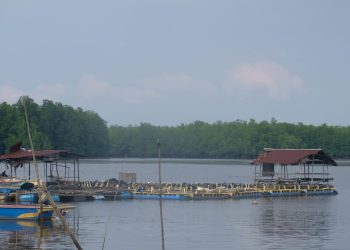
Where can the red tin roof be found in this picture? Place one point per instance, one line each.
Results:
(27, 154)
(293, 156)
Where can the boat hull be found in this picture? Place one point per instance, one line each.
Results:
(25, 212)
(34, 197)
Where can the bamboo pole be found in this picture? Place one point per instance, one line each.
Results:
(42, 187)
(160, 196)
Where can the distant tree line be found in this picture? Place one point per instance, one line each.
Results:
(57, 126)
(54, 126)
(237, 139)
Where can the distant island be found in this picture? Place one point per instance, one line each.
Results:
(58, 126)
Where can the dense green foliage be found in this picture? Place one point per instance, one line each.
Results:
(54, 126)
(237, 139)
(59, 126)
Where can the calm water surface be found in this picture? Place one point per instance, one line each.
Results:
(321, 222)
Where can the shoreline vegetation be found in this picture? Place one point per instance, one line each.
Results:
(58, 126)
(111, 160)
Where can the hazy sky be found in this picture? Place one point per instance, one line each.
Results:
(172, 62)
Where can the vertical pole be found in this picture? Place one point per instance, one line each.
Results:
(74, 171)
(323, 170)
(78, 170)
(281, 171)
(29, 170)
(160, 196)
(254, 173)
(42, 186)
(58, 176)
(312, 168)
(260, 171)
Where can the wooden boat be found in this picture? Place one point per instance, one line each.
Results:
(11, 182)
(25, 212)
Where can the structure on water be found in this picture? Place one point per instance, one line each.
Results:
(292, 165)
(57, 164)
(277, 172)
(127, 177)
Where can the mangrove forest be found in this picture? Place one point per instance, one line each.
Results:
(58, 126)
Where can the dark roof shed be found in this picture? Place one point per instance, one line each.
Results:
(293, 157)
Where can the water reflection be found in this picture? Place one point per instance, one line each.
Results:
(25, 234)
(297, 219)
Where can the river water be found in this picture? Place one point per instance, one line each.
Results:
(314, 222)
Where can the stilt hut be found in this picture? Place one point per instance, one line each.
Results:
(292, 165)
(53, 164)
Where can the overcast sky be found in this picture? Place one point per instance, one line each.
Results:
(172, 62)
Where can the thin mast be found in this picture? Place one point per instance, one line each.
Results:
(160, 196)
(42, 187)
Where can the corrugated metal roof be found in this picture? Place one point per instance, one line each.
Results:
(293, 156)
(27, 154)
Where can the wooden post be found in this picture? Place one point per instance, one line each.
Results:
(58, 176)
(74, 171)
(51, 169)
(254, 173)
(78, 170)
(312, 168)
(29, 170)
(42, 187)
(160, 196)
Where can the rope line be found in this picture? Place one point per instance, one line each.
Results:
(108, 220)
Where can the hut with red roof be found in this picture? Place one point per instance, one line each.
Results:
(57, 164)
(292, 165)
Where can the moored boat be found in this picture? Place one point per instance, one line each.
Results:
(25, 212)
(111, 195)
(11, 182)
(34, 197)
